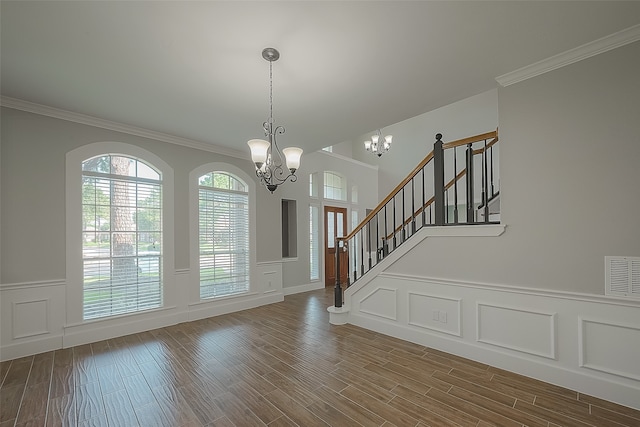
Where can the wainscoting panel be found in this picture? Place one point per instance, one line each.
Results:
(557, 337)
(436, 313)
(381, 302)
(598, 338)
(32, 317)
(517, 329)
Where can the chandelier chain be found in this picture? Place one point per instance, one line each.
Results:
(270, 92)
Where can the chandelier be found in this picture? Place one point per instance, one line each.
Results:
(378, 145)
(265, 154)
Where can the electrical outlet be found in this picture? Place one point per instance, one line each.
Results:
(443, 316)
(436, 315)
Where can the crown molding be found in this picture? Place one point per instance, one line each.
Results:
(596, 47)
(347, 159)
(44, 110)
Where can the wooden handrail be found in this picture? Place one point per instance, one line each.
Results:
(489, 145)
(414, 172)
(470, 140)
(378, 208)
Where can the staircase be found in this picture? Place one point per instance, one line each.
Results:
(454, 185)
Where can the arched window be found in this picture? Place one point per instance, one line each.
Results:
(223, 234)
(334, 186)
(122, 236)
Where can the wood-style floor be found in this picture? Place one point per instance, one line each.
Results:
(280, 365)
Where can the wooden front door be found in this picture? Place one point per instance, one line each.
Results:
(335, 225)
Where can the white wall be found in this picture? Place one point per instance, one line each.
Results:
(413, 138)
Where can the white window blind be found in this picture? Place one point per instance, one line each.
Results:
(223, 235)
(121, 236)
(314, 254)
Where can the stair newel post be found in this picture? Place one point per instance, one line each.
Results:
(438, 180)
(469, 166)
(338, 289)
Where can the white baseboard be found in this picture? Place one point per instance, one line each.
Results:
(202, 311)
(33, 346)
(290, 290)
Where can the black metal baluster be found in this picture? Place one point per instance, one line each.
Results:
(413, 208)
(377, 238)
(492, 188)
(470, 202)
(424, 190)
(386, 233)
(369, 241)
(362, 251)
(403, 217)
(446, 206)
(394, 224)
(485, 189)
(455, 184)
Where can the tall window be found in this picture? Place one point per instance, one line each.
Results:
(334, 186)
(121, 236)
(223, 218)
(314, 249)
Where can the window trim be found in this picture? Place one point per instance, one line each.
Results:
(73, 204)
(194, 257)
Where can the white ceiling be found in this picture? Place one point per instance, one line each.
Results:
(194, 69)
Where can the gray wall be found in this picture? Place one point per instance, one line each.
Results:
(356, 173)
(570, 182)
(413, 138)
(33, 193)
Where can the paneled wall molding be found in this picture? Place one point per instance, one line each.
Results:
(595, 354)
(57, 113)
(527, 326)
(33, 315)
(34, 284)
(587, 343)
(587, 50)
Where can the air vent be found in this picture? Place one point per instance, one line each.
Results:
(622, 276)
